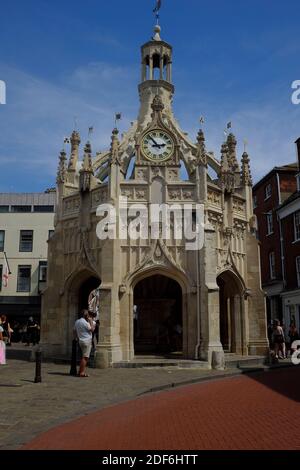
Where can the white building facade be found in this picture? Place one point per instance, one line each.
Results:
(26, 224)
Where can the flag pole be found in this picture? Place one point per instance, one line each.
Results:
(6, 260)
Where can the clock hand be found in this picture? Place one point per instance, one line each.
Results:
(156, 144)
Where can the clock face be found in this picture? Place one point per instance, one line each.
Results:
(157, 145)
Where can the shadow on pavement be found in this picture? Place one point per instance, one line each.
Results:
(10, 385)
(285, 381)
(63, 374)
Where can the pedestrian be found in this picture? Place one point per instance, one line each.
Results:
(136, 321)
(270, 333)
(279, 340)
(83, 332)
(2, 346)
(32, 332)
(7, 330)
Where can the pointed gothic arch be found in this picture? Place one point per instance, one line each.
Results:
(76, 291)
(232, 311)
(161, 298)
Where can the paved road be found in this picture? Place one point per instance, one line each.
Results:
(28, 409)
(258, 411)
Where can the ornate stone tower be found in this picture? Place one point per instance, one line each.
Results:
(188, 303)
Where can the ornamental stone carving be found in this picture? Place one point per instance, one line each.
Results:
(214, 198)
(140, 194)
(175, 194)
(187, 194)
(71, 205)
(238, 206)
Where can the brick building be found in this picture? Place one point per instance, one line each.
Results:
(289, 222)
(271, 192)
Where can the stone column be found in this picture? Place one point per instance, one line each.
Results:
(161, 67)
(144, 72)
(210, 302)
(169, 72)
(151, 68)
(238, 324)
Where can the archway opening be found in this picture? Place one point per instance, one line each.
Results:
(158, 316)
(231, 324)
(79, 290)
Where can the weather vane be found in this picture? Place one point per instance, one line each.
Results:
(156, 9)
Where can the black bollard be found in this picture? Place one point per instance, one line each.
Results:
(38, 367)
(73, 370)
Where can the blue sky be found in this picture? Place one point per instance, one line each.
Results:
(233, 61)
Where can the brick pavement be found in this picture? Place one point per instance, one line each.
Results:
(29, 409)
(257, 411)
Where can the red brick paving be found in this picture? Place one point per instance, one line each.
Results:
(260, 411)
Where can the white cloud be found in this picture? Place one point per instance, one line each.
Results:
(39, 113)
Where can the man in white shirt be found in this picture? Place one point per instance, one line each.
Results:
(83, 331)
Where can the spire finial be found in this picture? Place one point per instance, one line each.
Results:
(75, 142)
(114, 147)
(157, 31)
(87, 165)
(61, 171)
(246, 170)
(156, 12)
(201, 152)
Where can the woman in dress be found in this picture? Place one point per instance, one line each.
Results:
(2, 346)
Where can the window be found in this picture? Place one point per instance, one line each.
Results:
(20, 208)
(298, 182)
(1, 272)
(50, 234)
(297, 225)
(43, 271)
(268, 191)
(43, 209)
(298, 269)
(254, 202)
(24, 279)
(270, 227)
(272, 265)
(4, 208)
(26, 240)
(2, 239)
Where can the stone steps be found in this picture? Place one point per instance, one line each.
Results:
(238, 362)
(19, 353)
(148, 362)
